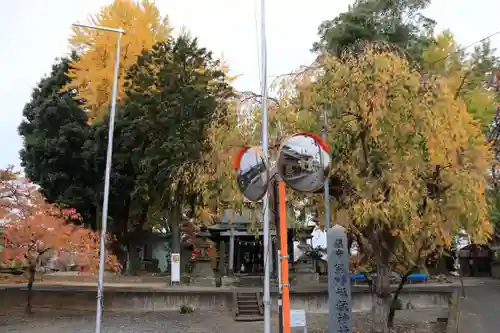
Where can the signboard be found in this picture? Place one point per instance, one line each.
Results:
(298, 321)
(175, 268)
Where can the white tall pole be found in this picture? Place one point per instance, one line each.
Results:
(326, 188)
(107, 174)
(267, 269)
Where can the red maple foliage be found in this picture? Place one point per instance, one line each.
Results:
(36, 232)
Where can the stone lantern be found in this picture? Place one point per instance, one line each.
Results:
(203, 273)
(304, 267)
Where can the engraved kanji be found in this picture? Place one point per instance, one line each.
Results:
(342, 291)
(340, 279)
(343, 329)
(342, 305)
(339, 269)
(342, 318)
(339, 244)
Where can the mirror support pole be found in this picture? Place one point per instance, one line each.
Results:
(326, 189)
(284, 283)
(276, 205)
(265, 144)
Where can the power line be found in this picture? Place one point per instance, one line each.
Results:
(305, 68)
(466, 47)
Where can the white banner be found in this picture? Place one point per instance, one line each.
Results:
(175, 267)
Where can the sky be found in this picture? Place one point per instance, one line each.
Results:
(35, 32)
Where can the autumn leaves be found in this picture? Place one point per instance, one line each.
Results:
(92, 74)
(36, 233)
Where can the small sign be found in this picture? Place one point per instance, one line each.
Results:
(298, 320)
(175, 268)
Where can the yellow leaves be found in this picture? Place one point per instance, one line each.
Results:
(93, 73)
(442, 56)
(390, 129)
(224, 67)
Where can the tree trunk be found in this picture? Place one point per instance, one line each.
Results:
(31, 280)
(175, 220)
(369, 281)
(382, 300)
(392, 311)
(176, 237)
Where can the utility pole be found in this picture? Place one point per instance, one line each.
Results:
(107, 175)
(265, 147)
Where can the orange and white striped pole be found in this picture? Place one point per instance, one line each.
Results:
(285, 285)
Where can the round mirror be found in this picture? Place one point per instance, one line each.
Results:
(303, 162)
(252, 173)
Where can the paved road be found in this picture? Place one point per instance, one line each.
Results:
(480, 310)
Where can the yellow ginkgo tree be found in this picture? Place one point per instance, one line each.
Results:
(93, 73)
(409, 162)
(467, 75)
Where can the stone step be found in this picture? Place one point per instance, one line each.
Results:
(247, 294)
(249, 318)
(248, 297)
(254, 310)
(248, 307)
(247, 301)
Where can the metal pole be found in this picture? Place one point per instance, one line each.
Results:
(285, 284)
(267, 270)
(109, 153)
(95, 27)
(277, 221)
(326, 189)
(280, 295)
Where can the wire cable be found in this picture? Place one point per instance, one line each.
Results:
(432, 63)
(466, 47)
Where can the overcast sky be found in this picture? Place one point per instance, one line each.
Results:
(34, 32)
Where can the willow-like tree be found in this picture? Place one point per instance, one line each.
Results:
(410, 160)
(473, 78)
(93, 74)
(468, 75)
(231, 129)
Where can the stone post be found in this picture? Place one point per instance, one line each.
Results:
(231, 253)
(222, 258)
(339, 284)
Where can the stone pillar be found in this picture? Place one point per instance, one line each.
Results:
(231, 253)
(222, 258)
(203, 274)
(228, 278)
(339, 284)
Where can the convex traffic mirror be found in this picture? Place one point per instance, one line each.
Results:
(252, 173)
(303, 162)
